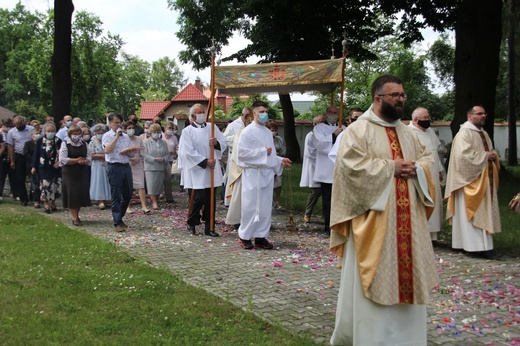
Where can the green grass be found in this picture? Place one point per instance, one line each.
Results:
(508, 241)
(293, 196)
(60, 286)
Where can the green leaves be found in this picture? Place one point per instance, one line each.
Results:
(104, 78)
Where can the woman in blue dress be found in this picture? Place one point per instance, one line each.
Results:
(99, 186)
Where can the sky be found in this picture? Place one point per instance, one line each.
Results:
(148, 29)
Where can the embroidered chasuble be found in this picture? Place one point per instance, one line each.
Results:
(471, 172)
(393, 247)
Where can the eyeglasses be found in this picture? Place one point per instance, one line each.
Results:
(395, 96)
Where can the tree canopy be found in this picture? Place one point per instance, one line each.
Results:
(104, 77)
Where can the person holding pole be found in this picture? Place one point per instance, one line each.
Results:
(198, 167)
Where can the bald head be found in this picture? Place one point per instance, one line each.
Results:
(421, 118)
(420, 113)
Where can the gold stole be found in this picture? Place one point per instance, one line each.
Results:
(489, 163)
(404, 226)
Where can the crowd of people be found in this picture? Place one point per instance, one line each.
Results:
(381, 184)
(70, 161)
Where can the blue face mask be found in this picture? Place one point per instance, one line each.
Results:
(263, 117)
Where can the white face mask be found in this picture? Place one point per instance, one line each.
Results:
(156, 135)
(200, 118)
(130, 132)
(169, 132)
(99, 136)
(75, 138)
(86, 137)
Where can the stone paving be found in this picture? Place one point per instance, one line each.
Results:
(296, 284)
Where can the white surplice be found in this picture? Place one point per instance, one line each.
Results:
(193, 149)
(229, 134)
(322, 139)
(309, 163)
(430, 140)
(258, 170)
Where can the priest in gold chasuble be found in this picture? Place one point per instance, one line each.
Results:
(471, 187)
(382, 197)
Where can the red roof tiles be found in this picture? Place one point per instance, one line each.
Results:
(151, 109)
(190, 93)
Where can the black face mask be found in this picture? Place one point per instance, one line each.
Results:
(20, 128)
(424, 123)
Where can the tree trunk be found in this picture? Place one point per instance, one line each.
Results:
(478, 33)
(61, 57)
(512, 158)
(293, 148)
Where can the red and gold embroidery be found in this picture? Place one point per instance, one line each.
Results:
(404, 226)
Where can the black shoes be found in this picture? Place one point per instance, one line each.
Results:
(263, 243)
(211, 233)
(491, 254)
(192, 230)
(246, 244)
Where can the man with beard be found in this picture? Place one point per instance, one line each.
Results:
(380, 202)
(324, 136)
(471, 187)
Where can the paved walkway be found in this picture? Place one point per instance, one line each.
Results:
(296, 284)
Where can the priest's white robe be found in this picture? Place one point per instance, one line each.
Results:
(471, 191)
(233, 193)
(258, 170)
(323, 141)
(430, 140)
(229, 134)
(309, 163)
(193, 149)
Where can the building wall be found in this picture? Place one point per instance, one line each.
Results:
(501, 136)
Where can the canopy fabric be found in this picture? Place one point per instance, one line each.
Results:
(299, 76)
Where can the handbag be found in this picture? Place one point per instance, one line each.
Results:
(175, 168)
(515, 203)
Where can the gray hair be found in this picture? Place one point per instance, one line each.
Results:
(418, 112)
(148, 123)
(49, 124)
(196, 105)
(98, 127)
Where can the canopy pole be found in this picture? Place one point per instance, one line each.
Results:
(332, 57)
(211, 113)
(343, 62)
